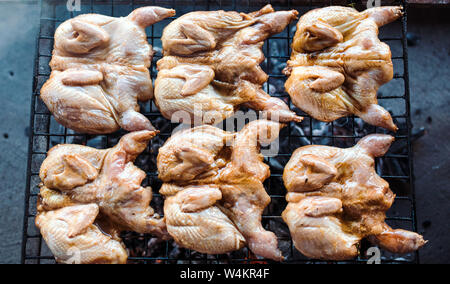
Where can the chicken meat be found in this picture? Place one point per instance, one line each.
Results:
(74, 238)
(211, 66)
(338, 63)
(336, 198)
(100, 71)
(107, 184)
(213, 183)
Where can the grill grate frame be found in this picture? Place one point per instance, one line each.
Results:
(46, 133)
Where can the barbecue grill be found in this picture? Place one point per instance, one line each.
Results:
(396, 167)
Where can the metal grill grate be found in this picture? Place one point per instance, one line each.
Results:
(396, 167)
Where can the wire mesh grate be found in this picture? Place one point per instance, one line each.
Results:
(396, 167)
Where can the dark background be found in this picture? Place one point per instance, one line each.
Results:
(429, 54)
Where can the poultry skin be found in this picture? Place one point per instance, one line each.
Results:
(74, 238)
(100, 71)
(104, 188)
(338, 63)
(336, 198)
(213, 183)
(211, 66)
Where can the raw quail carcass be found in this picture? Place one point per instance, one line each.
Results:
(336, 198)
(213, 183)
(338, 63)
(74, 175)
(100, 71)
(211, 66)
(74, 238)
